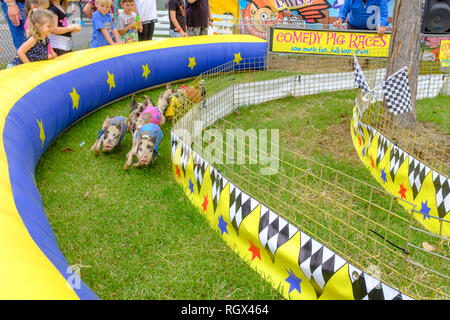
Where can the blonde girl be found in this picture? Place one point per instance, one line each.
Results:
(35, 48)
(61, 38)
(38, 4)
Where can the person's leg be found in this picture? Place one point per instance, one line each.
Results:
(17, 33)
(203, 31)
(151, 30)
(142, 36)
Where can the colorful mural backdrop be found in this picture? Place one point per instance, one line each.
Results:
(271, 12)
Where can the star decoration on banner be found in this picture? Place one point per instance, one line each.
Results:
(205, 203)
(41, 132)
(178, 171)
(402, 191)
(371, 162)
(192, 63)
(191, 186)
(425, 210)
(237, 58)
(294, 282)
(222, 225)
(359, 140)
(364, 151)
(145, 71)
(254, 250)
(110, 81)
(75, 99)
(383, 176)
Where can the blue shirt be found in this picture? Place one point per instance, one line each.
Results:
(365, 16)
(100, 21)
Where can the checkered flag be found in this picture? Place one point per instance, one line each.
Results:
(360, 80)
(397, 92)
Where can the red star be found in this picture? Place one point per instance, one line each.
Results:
(178, 172)
(402, 191)
(205, 203)
(359, 140)
(371, 162)
(254, 250)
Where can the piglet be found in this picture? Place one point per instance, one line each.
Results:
(112, 133)
(146, 140)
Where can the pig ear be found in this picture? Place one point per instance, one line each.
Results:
(169, 85)
(153, 139)
(107, 122)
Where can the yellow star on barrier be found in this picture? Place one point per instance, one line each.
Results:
(192, 63)
(237, 58)
(146, 71)
(75, 99)
(41, 132)
(110, 81)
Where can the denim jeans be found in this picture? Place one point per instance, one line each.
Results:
(174, 34)
(17, 33)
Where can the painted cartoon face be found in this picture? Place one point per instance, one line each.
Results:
(111, 137)
(262, 17)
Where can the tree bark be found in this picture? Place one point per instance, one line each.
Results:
(404, 49)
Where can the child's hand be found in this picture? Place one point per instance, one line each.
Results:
(132, 24)
(75, 27)
(52, 55)
(140, 27)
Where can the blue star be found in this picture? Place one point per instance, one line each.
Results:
(364, 151)
(425, 210)
(191, 186)
(294, 282)
(383, 176)
(222, 225)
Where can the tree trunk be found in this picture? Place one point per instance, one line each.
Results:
(404, 49)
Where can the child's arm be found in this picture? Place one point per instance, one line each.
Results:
(127, 27)
(71, 28)
(116, 36)
(105, 33)
(52, 54)
(27, 45)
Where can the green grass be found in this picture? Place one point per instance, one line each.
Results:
(435, 111)
(136, 231)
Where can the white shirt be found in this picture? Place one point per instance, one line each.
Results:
(146, 9)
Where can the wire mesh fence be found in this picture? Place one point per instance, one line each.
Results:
(354, 218)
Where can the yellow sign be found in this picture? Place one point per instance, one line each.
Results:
(344, 43)
(444, 54)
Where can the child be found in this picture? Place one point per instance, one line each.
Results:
(35, 48)
(126, 22)
(90, 8)
(38, 4)
(61, 37)
(103, 29)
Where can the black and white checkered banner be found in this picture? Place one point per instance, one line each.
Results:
(397, 93)
(360, 80)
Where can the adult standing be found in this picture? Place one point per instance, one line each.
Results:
(364, 14)
(177, 17)
(148, 16)
(198, 17)
(15, 16)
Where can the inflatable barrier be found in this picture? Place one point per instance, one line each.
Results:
(38, 102)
